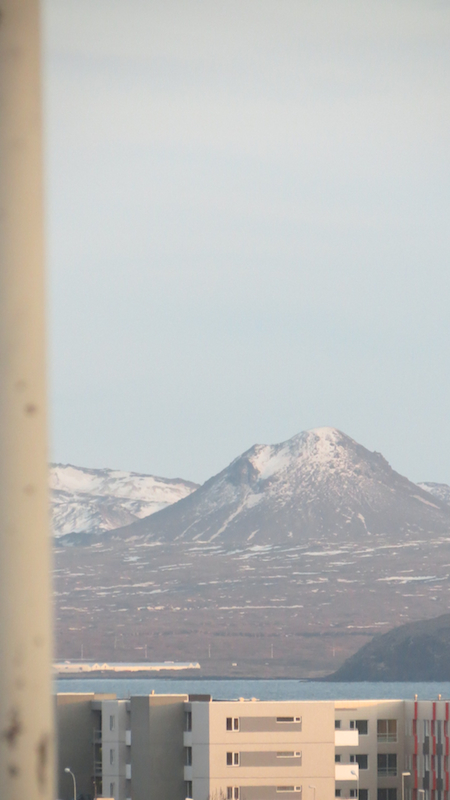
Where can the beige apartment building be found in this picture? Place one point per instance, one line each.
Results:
(173, 747)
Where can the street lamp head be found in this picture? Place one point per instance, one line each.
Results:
(406, 774)
(66, 769)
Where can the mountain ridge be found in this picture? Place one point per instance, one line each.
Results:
(440, 490)
(416, 651)
(90, 501)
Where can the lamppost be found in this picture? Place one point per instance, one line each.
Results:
(421, 792)
(66, 769)
(314, 791)
(404, 775)
(356, 774)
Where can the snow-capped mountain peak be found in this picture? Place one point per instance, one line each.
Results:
(319, 483)
(315, 451)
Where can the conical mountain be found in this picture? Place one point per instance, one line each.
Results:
(318, 485)
(314, 544)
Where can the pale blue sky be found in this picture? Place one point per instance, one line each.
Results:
(248, 229)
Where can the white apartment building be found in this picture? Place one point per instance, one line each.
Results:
(250, 750)
(173, 747)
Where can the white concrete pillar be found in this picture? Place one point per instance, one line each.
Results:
(26, 729)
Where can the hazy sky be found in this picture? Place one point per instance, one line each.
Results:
(249, 229)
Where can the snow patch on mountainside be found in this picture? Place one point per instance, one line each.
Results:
(268, 461)
(317, 447)
(440, 490)
(322, 443)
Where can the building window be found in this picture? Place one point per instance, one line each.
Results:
(232, 723)
(229, 793)
(188, 788)
(337, 792)
(285, 788)
(188, 721)
(387, 765)
(361, 760)
(353, 792)
(112, 722)
(111, 756)
(337, 758)
(361, 725)
(387, 730)
(363, 794)
(188, 756)
(112, 789)
(289, 754)
(289, 719)
(337, 724)
(387, 794)
(232, 759)
(236, 793)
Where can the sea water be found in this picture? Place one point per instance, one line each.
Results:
(221, 689)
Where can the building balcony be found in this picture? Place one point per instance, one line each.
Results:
(98, 769)
(97, 737)
(385, 738)
(188, 773)
(128, 738)
(128, 772)
(187, 738)
(346, 738)
(346, 772)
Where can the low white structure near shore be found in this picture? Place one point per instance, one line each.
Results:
(88, 667)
